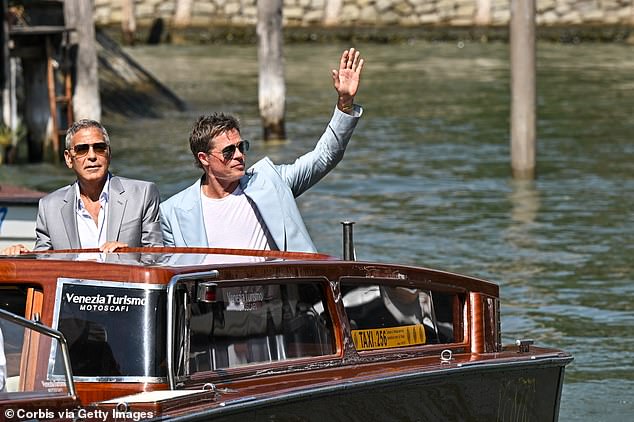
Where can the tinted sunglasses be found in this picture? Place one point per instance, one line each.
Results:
(229, 151)
(82, 149)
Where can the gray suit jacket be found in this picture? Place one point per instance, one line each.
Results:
(272, 188)
(133, 216)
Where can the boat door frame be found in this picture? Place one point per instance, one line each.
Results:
(171, 310)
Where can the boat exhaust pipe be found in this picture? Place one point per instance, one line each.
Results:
(348, 241)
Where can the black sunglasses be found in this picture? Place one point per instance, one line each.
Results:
(82, 149)
(229, 151)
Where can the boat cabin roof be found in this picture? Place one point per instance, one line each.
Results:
(158, 266)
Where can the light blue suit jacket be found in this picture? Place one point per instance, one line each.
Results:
(271, 187)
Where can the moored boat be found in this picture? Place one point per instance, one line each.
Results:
(18, 211)
(228, 335)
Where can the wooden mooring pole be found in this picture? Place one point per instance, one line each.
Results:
(271, 87)
(78, 14)
(523, 90)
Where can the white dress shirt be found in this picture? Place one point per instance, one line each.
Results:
(92, 235)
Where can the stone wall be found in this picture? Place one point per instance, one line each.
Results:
(378, 12)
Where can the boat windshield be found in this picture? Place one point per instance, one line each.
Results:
(221, 326)
(114, 329)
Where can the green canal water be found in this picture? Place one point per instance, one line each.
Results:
(426, 179)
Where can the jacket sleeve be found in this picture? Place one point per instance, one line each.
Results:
(166, 227)
(314, 165)
(151, 231)
(42, 236)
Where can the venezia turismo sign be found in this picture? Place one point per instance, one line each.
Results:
(114, 320)
(107, 302)
(108, 297)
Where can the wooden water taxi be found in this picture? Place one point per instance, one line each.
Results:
(232, 335)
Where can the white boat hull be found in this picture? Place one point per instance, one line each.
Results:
(18, 213)
(17, 224)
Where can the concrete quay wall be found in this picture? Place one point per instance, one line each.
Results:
(406, 13)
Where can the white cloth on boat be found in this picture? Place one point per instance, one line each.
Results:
(3, 364)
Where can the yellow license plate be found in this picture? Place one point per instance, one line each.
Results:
(384, 338)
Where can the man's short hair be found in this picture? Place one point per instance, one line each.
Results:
(85, 124)
(206, 128)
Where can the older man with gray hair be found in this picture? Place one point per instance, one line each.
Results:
(98, 210)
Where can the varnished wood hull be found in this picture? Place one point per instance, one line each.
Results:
(452, 369)
(521, 389)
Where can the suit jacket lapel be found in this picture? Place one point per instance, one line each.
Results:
(266, 198)
(69, 219)
(190, 218)
(116, 204)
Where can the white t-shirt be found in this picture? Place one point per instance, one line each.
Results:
(234, 222)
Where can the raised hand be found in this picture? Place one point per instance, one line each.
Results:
(346, 79)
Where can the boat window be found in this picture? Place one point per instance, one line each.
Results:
(13, 299)
(23, 357)
(114, 330)
(386, 315)
(237, 325)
